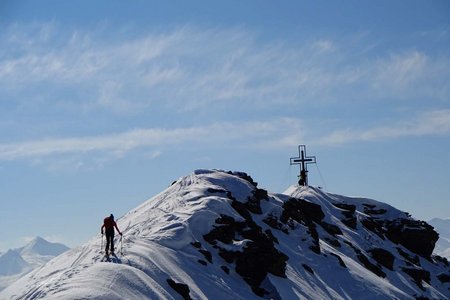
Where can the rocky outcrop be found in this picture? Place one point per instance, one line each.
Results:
(180, 288)
(301, 211)
(348, 211)
(417, 236)
(256, 255)
(383, 257)
(251, 249)
(418, 275)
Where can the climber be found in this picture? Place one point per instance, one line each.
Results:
(109, 224)
(303, 178)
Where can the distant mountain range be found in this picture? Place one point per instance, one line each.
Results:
(442, 226)
(16, 262)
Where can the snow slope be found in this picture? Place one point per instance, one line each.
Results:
(215, 234)
(442, 226)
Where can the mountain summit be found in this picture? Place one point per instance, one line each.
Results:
(216, 235)
(17, 262)
(39, 251)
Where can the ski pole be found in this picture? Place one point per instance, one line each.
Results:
(121, 244)
(101, 248)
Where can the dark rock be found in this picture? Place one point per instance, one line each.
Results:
(260, 258)
(260, 194)
(370, 266)
(253, 202)
(273, 222)
(304, 212)
(341, 262)
(383, 257)
(254, 260)
(369, 209)
(215, 191)
(418, 275)
(301, 211)
(375, 226)
(257, 260)
(242, 209)
(333, 242)
(315, 247)
(259, 291)
(224, 233)
(416, 236)
(330, 228)
(440, 259)
(271, 236)
(207, 255)
(348, 211)
(244, 176)
(350, 222)
(180, 288)
(202, 262)
(412, 259)
(229, 256)
(444, 278)
(308, 268)
(225, 269)
(196, 244)
(357, 251)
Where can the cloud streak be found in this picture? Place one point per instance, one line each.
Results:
(246, 134)
(190, 68)
(269, 134)
(432, 123)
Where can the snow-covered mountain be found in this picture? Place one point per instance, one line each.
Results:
(17, 262)
(39, 251)
(12, 263)
(216, 235)
(442, 226)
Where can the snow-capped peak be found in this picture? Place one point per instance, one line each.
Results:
(215, 234)
(40, 246)
(12, 263)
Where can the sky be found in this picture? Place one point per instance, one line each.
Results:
(103, 104)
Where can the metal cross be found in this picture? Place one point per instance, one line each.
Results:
(303, 161)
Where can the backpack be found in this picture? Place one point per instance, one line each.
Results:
(108, 223)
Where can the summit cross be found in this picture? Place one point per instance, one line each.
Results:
(303, 161)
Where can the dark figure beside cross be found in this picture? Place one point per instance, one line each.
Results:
(303, 161)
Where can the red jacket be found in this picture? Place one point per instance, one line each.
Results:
(109, 223)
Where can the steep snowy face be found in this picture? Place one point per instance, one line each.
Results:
(215, 234)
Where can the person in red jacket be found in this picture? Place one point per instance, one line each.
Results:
(109, 224)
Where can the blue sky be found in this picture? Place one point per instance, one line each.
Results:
(104, 104)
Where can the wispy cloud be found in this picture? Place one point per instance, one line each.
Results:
(248, 134)
(432, 123)
(275, 133)
(192, 68)
(199, 71)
